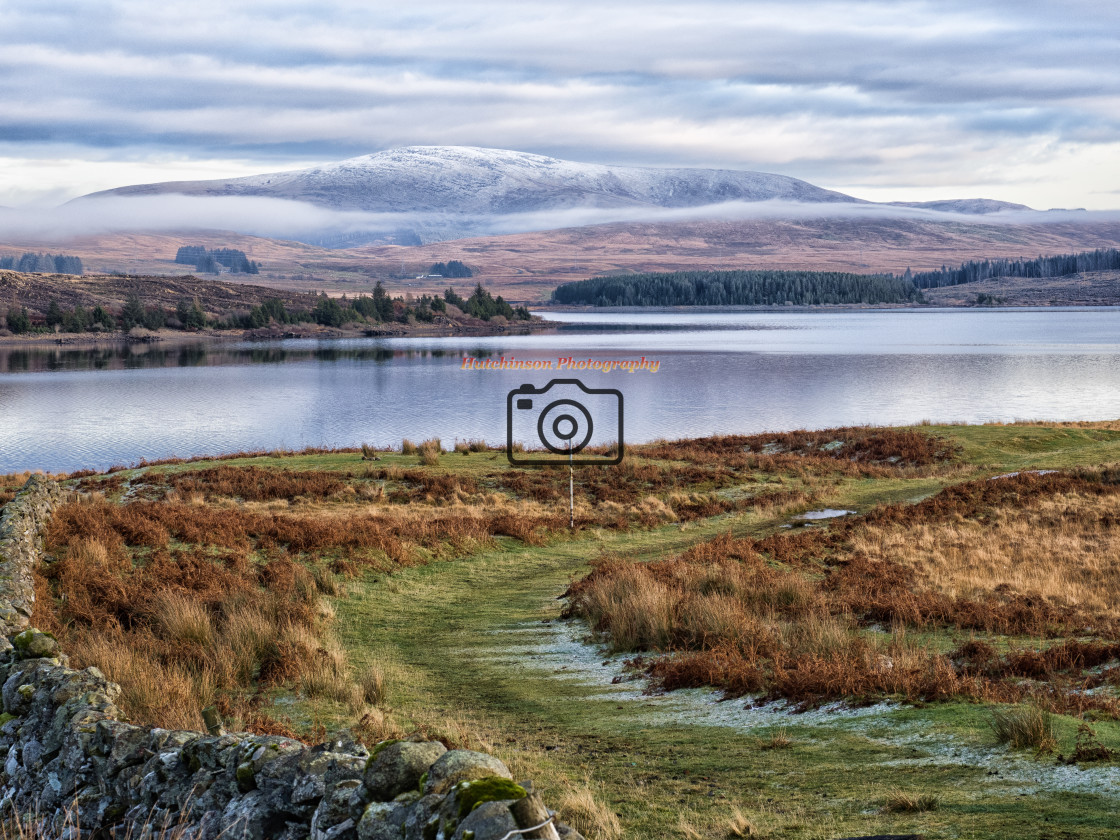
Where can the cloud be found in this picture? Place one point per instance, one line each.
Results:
(917, 93)
(303, 221)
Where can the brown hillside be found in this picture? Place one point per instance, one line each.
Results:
(527, 266)
(36, 291)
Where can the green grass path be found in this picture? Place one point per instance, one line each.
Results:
(440, 630)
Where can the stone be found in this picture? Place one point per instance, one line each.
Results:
(332, 818)
(457, 766)
(33, 644)
(489, 821)
(382, 821)
(399, 766)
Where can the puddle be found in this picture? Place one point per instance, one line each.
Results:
(827, 513)
(1023, 472)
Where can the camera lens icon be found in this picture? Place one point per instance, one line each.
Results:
(564, 422)
(557, 419)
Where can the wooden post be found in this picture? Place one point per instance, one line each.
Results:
(529, 812)
(213, 721)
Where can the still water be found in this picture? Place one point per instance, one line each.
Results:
(705, 372)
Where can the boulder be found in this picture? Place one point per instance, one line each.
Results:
(398, 766)
(457, 766)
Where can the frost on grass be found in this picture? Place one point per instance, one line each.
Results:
(562, 651)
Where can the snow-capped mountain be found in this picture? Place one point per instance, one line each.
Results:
(422, 194)
(465, 180)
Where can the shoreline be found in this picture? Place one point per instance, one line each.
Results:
(832, 307)
(175, 338)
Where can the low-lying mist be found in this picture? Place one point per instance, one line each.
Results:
(306, 222)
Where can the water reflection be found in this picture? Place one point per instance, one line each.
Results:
(65, 408)
(140, 356)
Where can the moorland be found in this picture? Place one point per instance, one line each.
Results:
(696, 658)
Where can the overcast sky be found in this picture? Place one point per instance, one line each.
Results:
(885, 100)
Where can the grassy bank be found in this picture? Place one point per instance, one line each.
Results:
(428, 596)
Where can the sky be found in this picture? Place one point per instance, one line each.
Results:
(884, 100)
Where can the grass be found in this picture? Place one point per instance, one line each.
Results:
(1025, 727)
(436, 623)
(801, 615)
(580, 809)
(900, 802)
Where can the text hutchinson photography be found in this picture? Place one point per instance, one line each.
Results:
(568, 363)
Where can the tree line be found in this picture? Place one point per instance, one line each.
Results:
(1063, 265)
(43, 263)
(379, 307)
(738, 288)
(452, 268)
(210, 261)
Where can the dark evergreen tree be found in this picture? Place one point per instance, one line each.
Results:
(102, 317)
(133, 313)
(1062, 265)
(454, 268)
(67, 265)
(190, 315)
(54, 314)
(18, 320)
(365, 306)
(328, 312)
(738, 288)
(190, 254)
(76, 321)
(155, 318)
(384, 304)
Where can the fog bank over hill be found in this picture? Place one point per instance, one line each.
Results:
(423, 194)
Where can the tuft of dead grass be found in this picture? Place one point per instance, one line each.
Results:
(910, 803)
(371, 678)
(780, 740)
(429, 451)
(739, 826)
(1027, 726)
(582, 810)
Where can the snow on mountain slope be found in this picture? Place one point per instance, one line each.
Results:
(420, 194)
(468, 180)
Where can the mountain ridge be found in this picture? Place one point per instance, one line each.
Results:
(419, 194)
(471, 179)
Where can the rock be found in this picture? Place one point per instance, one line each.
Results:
(332, 818)
(33, 644)
(489, 821)
(398, 766)
(422, 820)
(382, 821)
(462, 766)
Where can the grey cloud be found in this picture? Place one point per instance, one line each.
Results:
(655, 82)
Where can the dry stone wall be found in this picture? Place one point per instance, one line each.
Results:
(67, 756)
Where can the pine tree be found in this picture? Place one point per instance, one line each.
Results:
(133, 313)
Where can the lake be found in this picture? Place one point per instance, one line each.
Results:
(705, 372)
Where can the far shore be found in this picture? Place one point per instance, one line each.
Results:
(173, 338)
